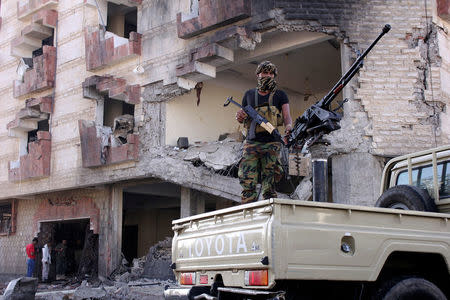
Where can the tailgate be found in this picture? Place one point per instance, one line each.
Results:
(232, 240)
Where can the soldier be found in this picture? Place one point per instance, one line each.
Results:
(261, 151)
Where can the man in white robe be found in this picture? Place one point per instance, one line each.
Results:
(46, 260)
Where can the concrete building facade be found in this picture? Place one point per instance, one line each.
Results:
(95, 95)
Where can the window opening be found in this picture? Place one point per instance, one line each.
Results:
(32, 135)
(114, 108)
(45, 42)
(121, 19)
(119, 116)
(5, 217)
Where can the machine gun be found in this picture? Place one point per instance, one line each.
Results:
(260, 120)
(319, 119)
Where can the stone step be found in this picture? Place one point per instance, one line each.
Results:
(214, 55)
(196, 71)
(43, 104)
(109, 83)
(24, 46)
(118, 91)
(19, 125)
(37, 31)
(30, 113)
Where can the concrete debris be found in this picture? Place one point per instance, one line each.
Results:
(84, 291)
(138, 267)
(216, 155)
(105, 281)
(125, 277)
(137, 290)
(21, 288)
(159, 259)
(303, 190)
(123, 125)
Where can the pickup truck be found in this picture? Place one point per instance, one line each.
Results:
(292, 249)
(295, 249)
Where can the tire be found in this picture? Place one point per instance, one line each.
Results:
(430, 205)
(410, 289)
(406, 197)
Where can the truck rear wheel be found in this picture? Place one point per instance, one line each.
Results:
(406, 197)
(410, 289)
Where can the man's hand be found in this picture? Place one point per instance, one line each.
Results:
(287, 131)
(241, 116)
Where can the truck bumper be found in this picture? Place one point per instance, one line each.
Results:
(176, 294)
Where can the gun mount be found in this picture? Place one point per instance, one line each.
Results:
(319, 119)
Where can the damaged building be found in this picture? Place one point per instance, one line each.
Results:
(113, 121)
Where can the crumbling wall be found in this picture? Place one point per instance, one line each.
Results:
(396, 105)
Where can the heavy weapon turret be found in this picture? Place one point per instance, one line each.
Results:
(319, 119)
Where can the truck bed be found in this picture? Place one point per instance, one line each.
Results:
(300, 240)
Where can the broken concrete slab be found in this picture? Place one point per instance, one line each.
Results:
(84, 291)
(216, 155)
(303, 190)
(138, 267)
(21, 288)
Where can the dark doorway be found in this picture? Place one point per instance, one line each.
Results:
(130, 242)
(74, 232)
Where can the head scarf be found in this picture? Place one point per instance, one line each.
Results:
(267, 83)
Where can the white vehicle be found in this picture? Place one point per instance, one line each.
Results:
(290, 249)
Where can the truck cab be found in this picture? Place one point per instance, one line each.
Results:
(417, 181)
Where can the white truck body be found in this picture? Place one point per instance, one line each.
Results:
(297, 240)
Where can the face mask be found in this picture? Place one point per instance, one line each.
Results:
(266, 84)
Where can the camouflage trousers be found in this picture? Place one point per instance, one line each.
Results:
(259, 164)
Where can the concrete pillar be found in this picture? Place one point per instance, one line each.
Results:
(110, 237)
(356, 178)
(192, 202)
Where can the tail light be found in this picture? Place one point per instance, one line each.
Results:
(187, 278)
(257, 277)
(203, 279)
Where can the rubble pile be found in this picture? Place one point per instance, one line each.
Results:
(217, 156)
(159, 259)
(138, 267)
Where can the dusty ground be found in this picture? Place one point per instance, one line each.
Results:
(141, 289)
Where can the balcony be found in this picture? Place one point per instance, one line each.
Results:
(39, 78)
(212, 14)
(96, 149)
(104, 48)
(35, 141)
(25, 8)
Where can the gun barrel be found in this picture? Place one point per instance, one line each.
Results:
(352, 70)
(311, 116)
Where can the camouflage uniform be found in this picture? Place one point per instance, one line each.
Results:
(260, 158)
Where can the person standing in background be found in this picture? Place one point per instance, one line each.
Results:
(31, 257)
(61, 260)
(46, 261)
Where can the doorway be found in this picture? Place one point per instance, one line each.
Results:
(80, 255)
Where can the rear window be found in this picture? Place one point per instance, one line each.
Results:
(422, 177)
